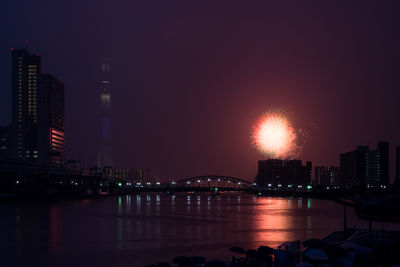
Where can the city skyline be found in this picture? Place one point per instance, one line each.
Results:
(186, 100)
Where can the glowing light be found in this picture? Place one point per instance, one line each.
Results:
(274, 136)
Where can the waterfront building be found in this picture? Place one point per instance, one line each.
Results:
(37, 131)
(365, 167)
(277, 172)
(104, 154)
(53, 119)
(5, 142)
(137, 175)
(327, 175)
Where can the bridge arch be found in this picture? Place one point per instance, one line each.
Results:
(214, 181)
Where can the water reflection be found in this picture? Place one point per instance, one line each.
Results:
(55, 233)
(271, 220)
(156, 226)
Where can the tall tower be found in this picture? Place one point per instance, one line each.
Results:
(104, 155)
(37, 129)
(26, 95)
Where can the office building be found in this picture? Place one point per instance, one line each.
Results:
(327, 175)
(37, 131)
(5, 143)
(53, 122)
(365, 167)
(283, 172)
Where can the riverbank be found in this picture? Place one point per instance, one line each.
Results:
(340, 248)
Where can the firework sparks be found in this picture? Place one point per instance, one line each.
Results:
(274, 136)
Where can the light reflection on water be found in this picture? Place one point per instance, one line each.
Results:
(117, 231)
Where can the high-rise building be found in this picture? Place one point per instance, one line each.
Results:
(383, 150)
(104, 154)
(365, 167)
(37, 131)
(5, 142)
(283, 172)
(26, 72)
(327, 175)
(53, 122)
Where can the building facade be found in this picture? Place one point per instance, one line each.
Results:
(283, 172)
(37, 131)
(53, 119)
(365, 167)
(5, 135)
(327, 175)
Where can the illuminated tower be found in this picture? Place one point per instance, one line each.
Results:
(104, 155)
(26, 72)
(37, 132)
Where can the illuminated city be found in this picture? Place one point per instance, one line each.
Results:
(199, 134)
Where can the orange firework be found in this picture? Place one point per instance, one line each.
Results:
(274, 136)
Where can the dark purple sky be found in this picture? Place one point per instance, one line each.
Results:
(190, 77)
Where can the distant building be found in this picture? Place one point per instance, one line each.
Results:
(327, 175)
(365, 167)
(37, 131)
(283, 172)
(383, 151)
(141, 174)
(53, 119)
(5, 136)
(132, 174)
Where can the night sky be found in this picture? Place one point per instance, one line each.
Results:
(190, 77)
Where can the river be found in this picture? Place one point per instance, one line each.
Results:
(138, 230)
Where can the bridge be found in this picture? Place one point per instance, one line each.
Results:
(213, 181)
(29, 178)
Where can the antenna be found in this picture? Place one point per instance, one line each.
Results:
(26, 44)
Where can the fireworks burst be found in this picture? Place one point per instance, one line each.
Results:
(274, 136)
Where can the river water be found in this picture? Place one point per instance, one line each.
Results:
(137, 230)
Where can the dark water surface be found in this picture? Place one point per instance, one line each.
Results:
(137, 230)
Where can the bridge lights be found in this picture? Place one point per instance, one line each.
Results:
(148, 183)
(279, 185)
(158, 183)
